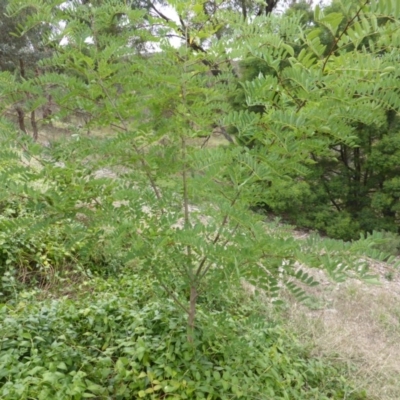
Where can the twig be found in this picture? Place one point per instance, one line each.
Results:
(336, 41)
(174, 297)
(138, 152)
(217, 237)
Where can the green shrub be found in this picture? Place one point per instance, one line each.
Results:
(387, 242)
(121, 343)
(35, 247)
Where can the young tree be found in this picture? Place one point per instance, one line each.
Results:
(188, 219)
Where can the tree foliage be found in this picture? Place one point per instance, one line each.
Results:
(159, 111)
(153, 198)
(18, 50)
(336, 90)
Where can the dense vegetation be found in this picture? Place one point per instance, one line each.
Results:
(124, 253)
(123, 342)
(351, 185)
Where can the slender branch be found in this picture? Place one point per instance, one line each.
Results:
(232, 233)
(223, 245)
(118, 127)
(31, 155)
(174, 35)
(205, 141)
(183, 148)
(244, 9)
(142, 159)
(336, 41)
(298, 102)
(185, 185)
(189, 42)
(174, 297)
(301, 105)
(217, 237)
(163, 16)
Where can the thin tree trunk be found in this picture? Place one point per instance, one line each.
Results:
(268, 7)
(192, 313)
(244, 9)
(21, 119)
(47, 112)
(22, 68)
(34, 126)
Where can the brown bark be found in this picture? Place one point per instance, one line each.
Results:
(22, 68)
(34, 126)
(192, 313)
(47, 112)
(269, 6)
(21, 119)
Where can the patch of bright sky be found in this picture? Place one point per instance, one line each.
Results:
(170, 12)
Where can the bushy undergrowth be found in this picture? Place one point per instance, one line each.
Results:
(124, 338)
(64, 228)
(54, 218)
(119, 341)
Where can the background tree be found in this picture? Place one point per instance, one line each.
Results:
(20, 54)
(16, 49)
(339, 195)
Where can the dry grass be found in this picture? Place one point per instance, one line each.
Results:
(357, 324)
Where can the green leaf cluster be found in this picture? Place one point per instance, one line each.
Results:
(335, 103)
